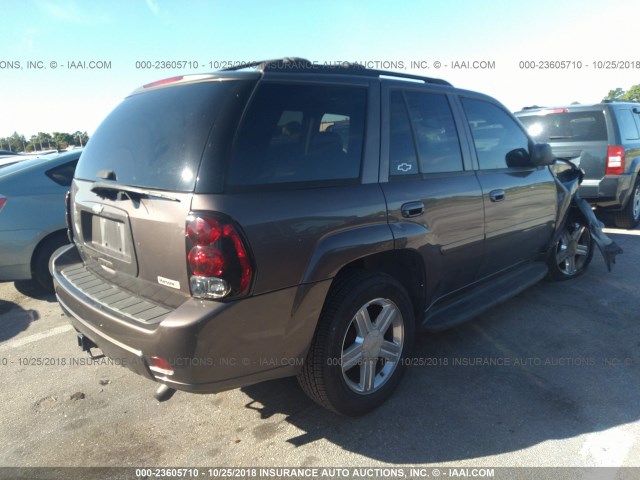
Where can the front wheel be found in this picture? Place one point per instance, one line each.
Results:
(364, 335)
(572, 252)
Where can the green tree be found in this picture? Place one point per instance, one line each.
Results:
(614, 94)
(631, 95)
(32, 146)
(18, 142)
(43, 141)
(80, 138)
(62, 140)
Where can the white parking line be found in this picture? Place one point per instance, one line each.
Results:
(19, 342)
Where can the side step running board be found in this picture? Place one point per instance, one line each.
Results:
(483, 297)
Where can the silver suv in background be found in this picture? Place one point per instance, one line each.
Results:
(604, 141)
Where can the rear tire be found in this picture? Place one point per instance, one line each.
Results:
(573, 251)
(40, 261)
(364, 336)
(629, 217)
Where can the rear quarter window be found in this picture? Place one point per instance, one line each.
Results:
(293, 134)
(63, 174)
(628, 127)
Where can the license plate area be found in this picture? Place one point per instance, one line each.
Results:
(110, 237)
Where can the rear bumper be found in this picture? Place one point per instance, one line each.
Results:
(611, 192)
(212, 346)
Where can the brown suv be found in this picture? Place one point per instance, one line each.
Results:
(296, 219)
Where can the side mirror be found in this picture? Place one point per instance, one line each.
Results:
(518, 158)
(541, 154)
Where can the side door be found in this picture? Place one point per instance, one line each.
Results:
(520, 200)
(433, 197)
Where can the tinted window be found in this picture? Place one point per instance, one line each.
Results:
(402, 152)
(300, 133)
(63, 174)
(435, 132)
(498, 139)
(628, 127)
(565, 126)
(156, 139)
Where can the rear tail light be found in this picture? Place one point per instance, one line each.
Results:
(554, 110)
(160, 365)
(3, 200)
(615, 160)
(219, 263)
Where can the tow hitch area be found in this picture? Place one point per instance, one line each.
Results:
(86, 344)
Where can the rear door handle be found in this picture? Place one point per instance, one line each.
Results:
(496, 195)
(412, 209)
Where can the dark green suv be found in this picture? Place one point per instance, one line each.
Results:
(602, 139)
(298, 219)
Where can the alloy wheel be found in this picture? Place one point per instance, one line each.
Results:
(372, 346)
(573, 249)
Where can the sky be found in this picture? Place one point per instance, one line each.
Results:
(53, 94)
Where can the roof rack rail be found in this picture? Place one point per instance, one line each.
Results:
(298, 65)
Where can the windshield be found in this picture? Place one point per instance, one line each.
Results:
(565, 126)
(156, 139)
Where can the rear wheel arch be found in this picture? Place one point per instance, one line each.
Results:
(406, 266)
(629, 216)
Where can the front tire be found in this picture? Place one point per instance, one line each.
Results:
(364, 336)
(572, 252)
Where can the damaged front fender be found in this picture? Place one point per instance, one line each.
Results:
(568, 178)
(608, 248)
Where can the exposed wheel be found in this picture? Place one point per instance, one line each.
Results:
(364, 335)
(629, 217)
(40, 261)
(573, 251)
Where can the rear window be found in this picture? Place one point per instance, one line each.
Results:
(299, 134)
(585, 126)
(156, 139)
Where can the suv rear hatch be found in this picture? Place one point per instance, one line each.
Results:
(133, 185)
(575, 134)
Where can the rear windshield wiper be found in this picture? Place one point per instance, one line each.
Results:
(113, 190)
(560, 137)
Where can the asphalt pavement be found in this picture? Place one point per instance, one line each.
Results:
(549, 378)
